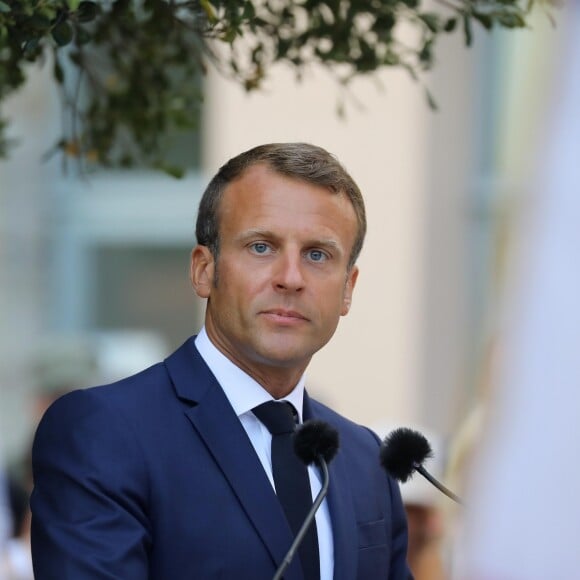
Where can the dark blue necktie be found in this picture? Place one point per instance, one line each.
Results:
(291, 479)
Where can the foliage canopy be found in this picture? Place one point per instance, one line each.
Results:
(129, 70)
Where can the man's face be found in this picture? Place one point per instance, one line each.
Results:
(283, 281)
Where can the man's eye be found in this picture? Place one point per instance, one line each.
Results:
(260, 248)
(317, 255)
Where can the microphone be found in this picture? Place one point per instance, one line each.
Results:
(403, 452)
(314, 441)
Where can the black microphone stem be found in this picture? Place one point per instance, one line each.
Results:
(437, 484)
(302, 531)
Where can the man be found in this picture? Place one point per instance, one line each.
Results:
(167, 475)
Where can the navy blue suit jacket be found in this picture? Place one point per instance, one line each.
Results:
(155, 478)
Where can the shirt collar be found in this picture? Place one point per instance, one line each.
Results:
(241, 390)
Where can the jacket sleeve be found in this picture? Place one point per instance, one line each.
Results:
(89, 504)
(399, 568)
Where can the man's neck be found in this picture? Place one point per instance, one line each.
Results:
(278, 381)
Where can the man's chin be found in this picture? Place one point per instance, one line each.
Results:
(284, 356)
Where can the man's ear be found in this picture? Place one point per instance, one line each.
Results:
(202, 270)
(348, 290)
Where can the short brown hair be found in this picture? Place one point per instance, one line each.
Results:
(296, 160)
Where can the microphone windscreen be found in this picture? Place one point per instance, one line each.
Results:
(402, 451)
(314, 438)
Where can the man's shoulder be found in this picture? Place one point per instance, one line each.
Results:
(121, 393)
(148, 387)
(345, 426)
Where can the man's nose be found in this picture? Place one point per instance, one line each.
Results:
(288, 274)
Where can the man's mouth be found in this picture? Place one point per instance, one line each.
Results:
(284, 315)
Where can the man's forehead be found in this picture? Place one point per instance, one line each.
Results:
(263, 170)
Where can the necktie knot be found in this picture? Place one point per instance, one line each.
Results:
(278, 417)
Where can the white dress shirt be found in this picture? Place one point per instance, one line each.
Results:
(244, 393)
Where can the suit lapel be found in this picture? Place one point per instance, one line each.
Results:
(218, 426)
(341, 508)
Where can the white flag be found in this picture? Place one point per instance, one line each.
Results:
(523, 519)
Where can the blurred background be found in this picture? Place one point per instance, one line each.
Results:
(94, 270)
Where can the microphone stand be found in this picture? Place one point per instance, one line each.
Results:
(437, 484)
(304, 528)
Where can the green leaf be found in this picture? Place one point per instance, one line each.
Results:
(172, 170)
(391, 58)
(511, 20)
(30, 46)
(229, 35)
(39, 21)
(431, 20)
(426, 54)
(4, 8)
(450, 25)
(82, 36)
(209, 11)
(484, 19)
(431, 100)
(86, 12)
(58, 72)
(385, 21)
(467, 30)
(249, 11)
(62, 33)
